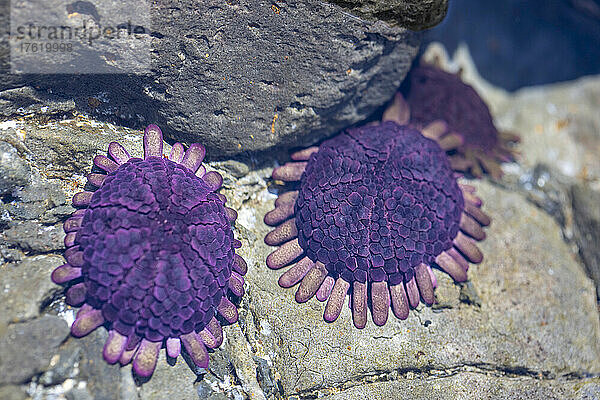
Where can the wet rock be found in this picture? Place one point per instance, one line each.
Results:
(529, 318)
(14, 171)
(26, 100)
(412, 14)
(281, 74)
(26, 348)
(26, 286)
(586, 227)
(33, 237)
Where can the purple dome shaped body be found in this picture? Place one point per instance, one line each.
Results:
(432, 94)
(151, 255)
(375, 209)
(157, 249)
(377, 201)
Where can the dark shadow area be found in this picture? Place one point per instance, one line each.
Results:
(523, 43)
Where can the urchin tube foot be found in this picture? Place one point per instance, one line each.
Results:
(424, 284)
(196, 349)
(380, 301)
(311, 283)
(145, 359)
(114, 347)
(336, 300)
(359, 304)
(153, 141)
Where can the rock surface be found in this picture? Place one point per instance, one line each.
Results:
(586, 221)
(248, 76)
(19, 360)
(412, 14)
(526, 325)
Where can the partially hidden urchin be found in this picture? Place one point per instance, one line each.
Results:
(376, 208)
(151, 255)
(431, 94)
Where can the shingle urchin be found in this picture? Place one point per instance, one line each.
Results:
(429, 94)
(151, 255)
(376, 207)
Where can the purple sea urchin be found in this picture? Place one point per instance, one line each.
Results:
(432, 94)
(151, 255)
(376, 207)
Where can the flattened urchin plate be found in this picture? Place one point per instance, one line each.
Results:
(151, 255)
(377, 206)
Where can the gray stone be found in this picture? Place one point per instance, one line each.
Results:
(34, 200)
(26, 348)
(412, 14)
(103, 381)
(26, 100)
(170, 382)
(12, 392)
(78, 393)
(537, 315)
(470, 385)
(250, 76)
(14, 171)
(63, 367)
(24, 288)
(33, 237)
(586, 228)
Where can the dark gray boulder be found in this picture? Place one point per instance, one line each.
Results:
(412, 14)
(246, 76)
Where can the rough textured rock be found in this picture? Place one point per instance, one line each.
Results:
(412, 14)
(14, 171)
(27, 100)
(470, 385)
(33, 237)
(586, 227)
(24, 288)
(19, 360)
(248, 76)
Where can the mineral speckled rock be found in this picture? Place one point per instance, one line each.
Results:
(249, 76)
(412, 14)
